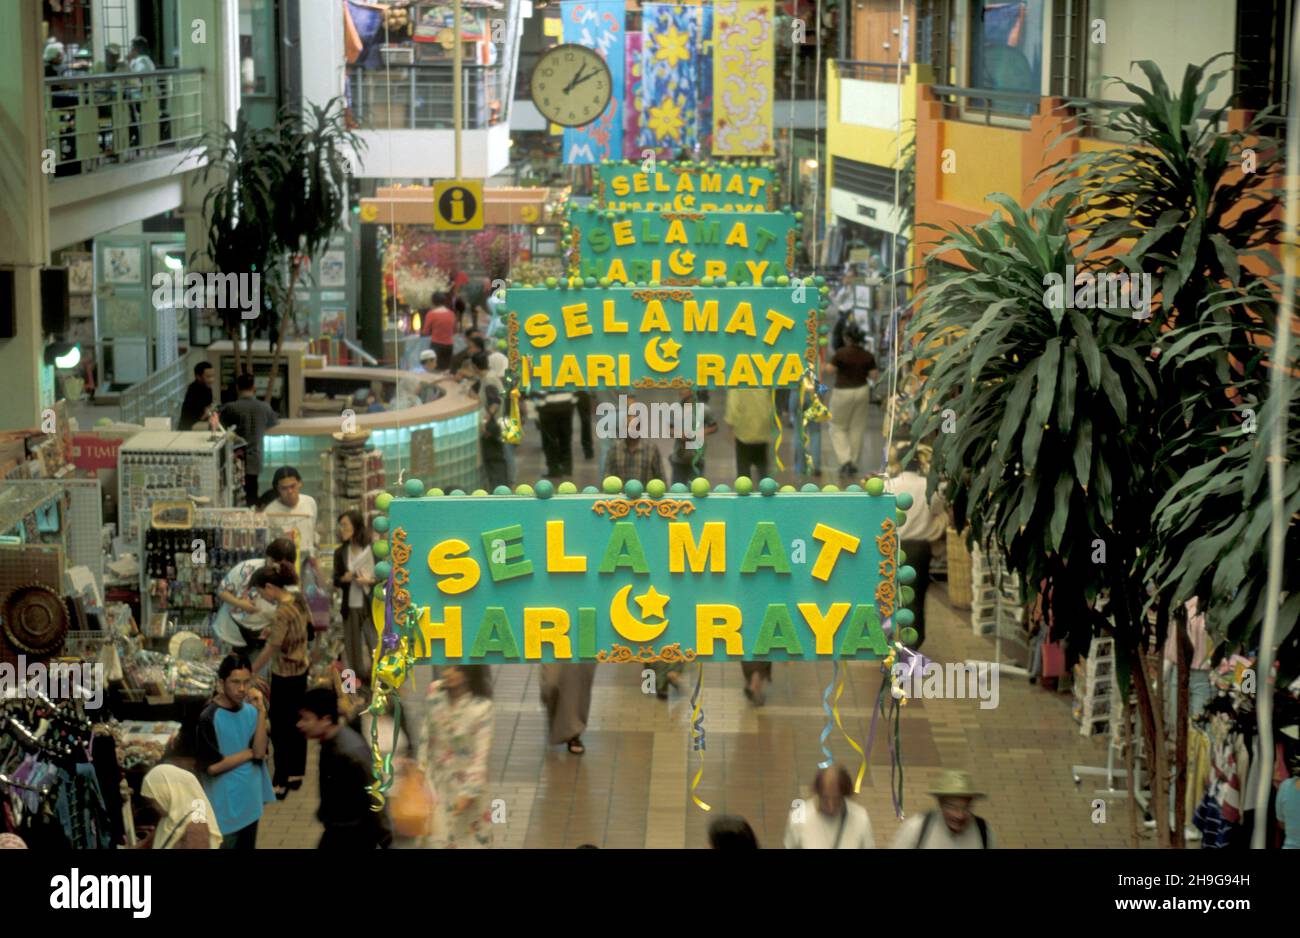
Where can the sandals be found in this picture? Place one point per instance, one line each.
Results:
(294, 784)
(576, 747)
(280, 793)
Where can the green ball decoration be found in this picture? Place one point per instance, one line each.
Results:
(732, 283)
(783, 281)
(823, 341)
(787, 488)
(590, 282)
(380, 549)
(853, 488)
(876, 486)
(502, 345)
(655, 488)
(523, 489)
(457, 493)
(767, 486)
(654, 283)
(590, 490)
(382, 571)
(906, 595)
(819, 280)
(823, 290)
(612, 485)
(830, 488)
(604, 281)
(906, 575)
(380, 524)
(700, 487)
(908, 635)
(744, 485)
(479, 493)
(633, 488)
(902, 556)
(383, 500)
(810, 487)
(501, 490)
(414, 488)
(900, 517)
(706, 281)
(903, 500)
(798, 216)
(787, 207)
(551, 282)
(567, 488)
(823, 329)
(722, 489)
(435, 492)
(679, 488)
(544, 488)
(769, 281)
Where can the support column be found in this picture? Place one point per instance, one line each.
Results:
(24, 211)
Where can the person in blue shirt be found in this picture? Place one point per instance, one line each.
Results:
(1288, 805)
(231, 754)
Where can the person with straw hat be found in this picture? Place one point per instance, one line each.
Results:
(954, 826)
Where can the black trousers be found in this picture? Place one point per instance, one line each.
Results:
(251, 492)
(243, 839)
(918, 558)
(288, 745)
(355, 837)
(751, 460)
(584, 406)
(556, 425)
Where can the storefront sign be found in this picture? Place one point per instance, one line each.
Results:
(708, 337)
(682, 248)
(700, 188)
(613, 578)
(91, 453)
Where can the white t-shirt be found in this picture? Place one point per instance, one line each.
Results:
(816, 831)
(236, 582)
(300, 518)
(938, 837)
(361, 562)
(927, 520)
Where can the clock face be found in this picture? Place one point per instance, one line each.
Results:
(571, 85)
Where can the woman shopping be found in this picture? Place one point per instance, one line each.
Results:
(186, 820)
(286, 652)
(354, 574)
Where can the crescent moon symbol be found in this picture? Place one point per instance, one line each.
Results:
(627, 625)
(654, 359)
(674, 263)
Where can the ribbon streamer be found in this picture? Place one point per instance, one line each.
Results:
(830, 719)
(835, 709)
(697, 734)
(780, 429)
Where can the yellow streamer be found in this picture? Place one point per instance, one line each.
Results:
(835, 709)
(779, 429)
(695, 734)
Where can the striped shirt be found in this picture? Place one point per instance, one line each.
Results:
(289, 636)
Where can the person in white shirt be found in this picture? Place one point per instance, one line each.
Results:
(293, 510)
(927, 523)
(354, 574)
(830, 821)
(244, 617)
(953, 826)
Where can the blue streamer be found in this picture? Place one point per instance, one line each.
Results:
(830, 718)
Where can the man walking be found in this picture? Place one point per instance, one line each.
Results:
(555, 421)
(345, 773)
(250, 418)
(832, 822)
(953, 826)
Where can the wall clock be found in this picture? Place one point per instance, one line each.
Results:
(571, 85)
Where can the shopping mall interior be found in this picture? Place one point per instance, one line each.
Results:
(545, 425)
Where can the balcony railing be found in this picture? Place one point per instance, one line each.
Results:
(888, 72)
(962, 103)
(100, 120)
(419, 97)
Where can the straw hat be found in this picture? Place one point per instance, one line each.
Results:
(955, 783)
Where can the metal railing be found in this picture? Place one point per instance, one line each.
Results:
(419, 97)
(888, 72)
(100, 120)
(961, 103)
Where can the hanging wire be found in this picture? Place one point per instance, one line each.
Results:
(817, 130)
(891, 402)
(392, 227)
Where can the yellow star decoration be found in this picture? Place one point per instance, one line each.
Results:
(672, 47)
(651, 603)
(670, 350)
(666, 119)
(687, 258)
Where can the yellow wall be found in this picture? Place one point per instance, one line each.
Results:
(873, 145)
(986, 159)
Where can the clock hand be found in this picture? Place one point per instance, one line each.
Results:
(580, 77)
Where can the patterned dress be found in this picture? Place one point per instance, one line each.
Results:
(454, 754)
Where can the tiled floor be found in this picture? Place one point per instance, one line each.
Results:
(631, 789)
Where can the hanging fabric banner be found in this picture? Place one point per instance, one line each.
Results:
(704, 78)
(744, 55)
(598, 26)
(632, 115)
(669, 80)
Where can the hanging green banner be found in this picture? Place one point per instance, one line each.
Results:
(682, 187)
(648, 577)
(621, 337)
(681, 249)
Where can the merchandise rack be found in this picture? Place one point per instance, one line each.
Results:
(171, 466)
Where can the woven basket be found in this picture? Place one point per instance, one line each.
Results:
(959, 581)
